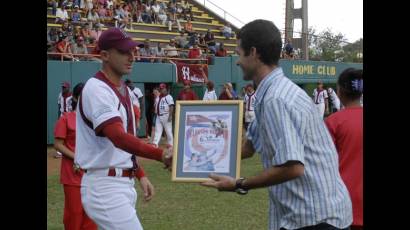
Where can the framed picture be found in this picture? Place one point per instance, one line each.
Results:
(207, 139)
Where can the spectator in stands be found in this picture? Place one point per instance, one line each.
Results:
(53, 5)
(195, 52)
(210, 94)
(147, 51)
(64, 46)
(210, 41)
(102, 14)
(163, 6)
(52, 38)
(88, 6)
(77, 32)
(187, 93)
(171, 50)
(96, 33)
(182, 40)
(67, 30)
(75, 16)
(146, 13)
(186, 10)
(62, 15)
(110, 3)
(193, 39)
(226, 31)
(228, 93)
(102, 3)
(221, 52)
(172, 18)
(119, 16)
(158, 51)
(128, 18)
(162, 16)
(95, 51)
(202, 43)
(188, 27)
(110, 13)
(80, 48)
(93, 17)
(86, 33)
(289, 49)
(155, 11)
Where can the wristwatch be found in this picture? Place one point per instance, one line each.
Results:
(239, 187)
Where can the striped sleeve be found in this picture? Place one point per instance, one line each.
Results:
(284, 132)
(252, 134)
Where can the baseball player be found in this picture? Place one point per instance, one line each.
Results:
(137, 99)
(164, 109)
(320, 98)
(64, 99)
(249, 100)
(334, 99)
(106, 145)
(64, 133)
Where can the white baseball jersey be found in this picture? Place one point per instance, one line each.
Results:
(135, 95)
(101, 103)
(210, 95)
(319, 97)
(334, 98)
(249, 100)
(65, 105)
(162, 106)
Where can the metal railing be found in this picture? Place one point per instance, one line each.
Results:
(224, 12)
(136, 59)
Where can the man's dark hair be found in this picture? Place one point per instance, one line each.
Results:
(76, 93)
(265, 37)
(351, 83)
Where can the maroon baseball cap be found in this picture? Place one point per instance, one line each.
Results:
(66, 84)
(162, 86)
(116, 38)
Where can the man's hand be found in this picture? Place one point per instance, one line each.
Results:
(222, 183)
(167, 158)
(147, 187)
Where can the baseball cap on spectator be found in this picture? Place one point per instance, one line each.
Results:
(162, 86)
(66, 84)
(117, 39)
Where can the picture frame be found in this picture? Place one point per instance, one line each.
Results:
(207, 139)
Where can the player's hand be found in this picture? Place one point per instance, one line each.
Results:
(222, 183)
(167, 158)
(147, 188)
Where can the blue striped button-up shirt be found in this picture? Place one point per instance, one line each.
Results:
(288, 128)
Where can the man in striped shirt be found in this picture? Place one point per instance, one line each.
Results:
(300, 160)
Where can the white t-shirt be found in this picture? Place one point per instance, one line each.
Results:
(250, 101)
(172, 52)
(62, 14)
(210, 95)
(333, 97)
(164, 103)
(99, 104)
(320, 97)
(156, 8)
(135, 95)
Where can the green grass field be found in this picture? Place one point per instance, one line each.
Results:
(183, 206)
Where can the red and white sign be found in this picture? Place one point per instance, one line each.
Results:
(195, 73)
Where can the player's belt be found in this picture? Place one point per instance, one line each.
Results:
(112, 172)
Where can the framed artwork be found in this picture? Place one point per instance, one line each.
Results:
(207, 139)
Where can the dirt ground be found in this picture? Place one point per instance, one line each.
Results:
(53, 164)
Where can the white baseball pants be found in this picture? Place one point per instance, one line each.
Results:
(160, 123)
(110, 201)
(321, 108)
